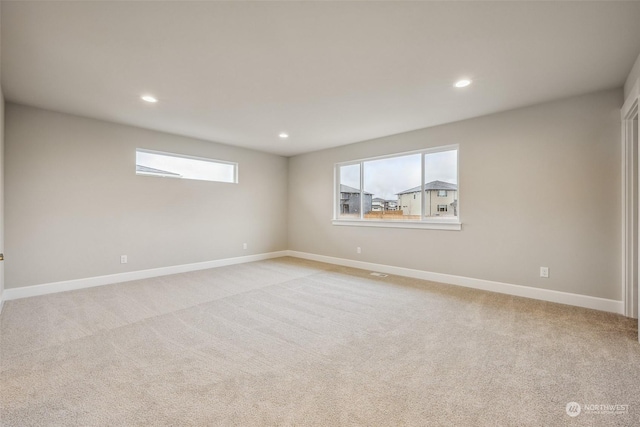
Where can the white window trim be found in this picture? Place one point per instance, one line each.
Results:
(428, 223)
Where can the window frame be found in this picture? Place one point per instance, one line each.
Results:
(187, 156)
(434, 223)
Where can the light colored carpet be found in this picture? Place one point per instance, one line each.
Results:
(293, 342)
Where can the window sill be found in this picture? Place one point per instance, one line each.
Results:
(427, 225)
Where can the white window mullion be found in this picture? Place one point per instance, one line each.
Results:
(337, 196)
(423, 197)
(361, 190)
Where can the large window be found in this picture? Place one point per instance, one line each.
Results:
(417, 189)
(169, 165)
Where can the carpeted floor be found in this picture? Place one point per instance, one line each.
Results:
(294, 342)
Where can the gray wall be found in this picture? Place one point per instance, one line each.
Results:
(1, 191)
(74, 203)
(539, 186)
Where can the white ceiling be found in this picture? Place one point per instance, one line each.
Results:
(328, 73)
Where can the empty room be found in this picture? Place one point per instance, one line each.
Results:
(319, 213)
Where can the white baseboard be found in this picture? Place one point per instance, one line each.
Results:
(70, 285)
(578, 300)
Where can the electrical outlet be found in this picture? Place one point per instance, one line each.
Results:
(123, 259)
(544, 272)
(358, 250)
(244, 246)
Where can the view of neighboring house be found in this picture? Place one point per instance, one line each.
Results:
(350, 200)
(441, 199)
(145, 170)
(379, 205)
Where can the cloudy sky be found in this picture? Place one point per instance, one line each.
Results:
(387, 177)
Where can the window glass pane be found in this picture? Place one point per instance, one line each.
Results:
(384, 182)
(176, 166)
(441, 184)
(349, 197)
(392, 188)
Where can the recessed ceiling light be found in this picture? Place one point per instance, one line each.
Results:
(462, 83)
(283, 135)
(149, 98)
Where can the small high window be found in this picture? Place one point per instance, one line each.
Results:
(170, 165)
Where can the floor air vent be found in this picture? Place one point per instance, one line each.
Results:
(375, 273)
